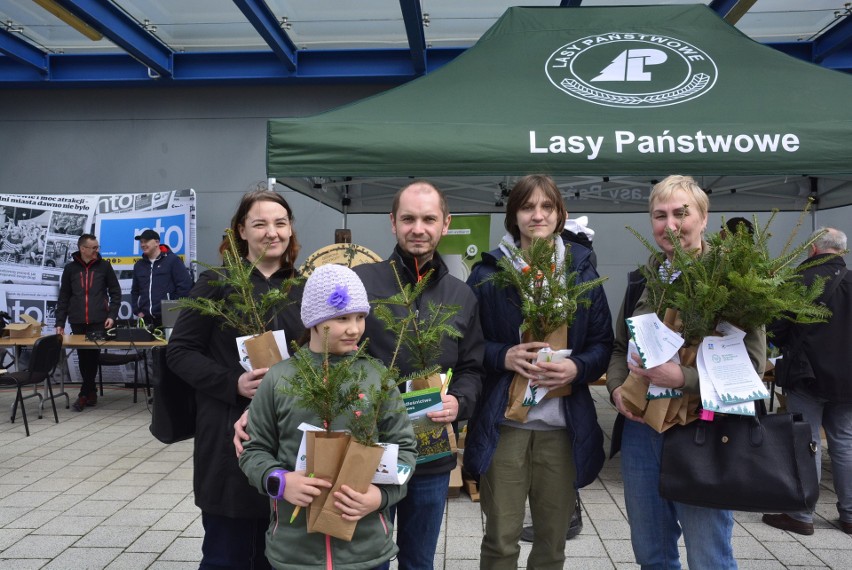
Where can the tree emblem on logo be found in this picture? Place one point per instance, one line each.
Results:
(632, 70)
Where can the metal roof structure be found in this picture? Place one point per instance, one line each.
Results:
(59, 43)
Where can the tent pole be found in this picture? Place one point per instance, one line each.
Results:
(815, 195)
(345, 201)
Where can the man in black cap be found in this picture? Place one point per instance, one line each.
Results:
(160, 274)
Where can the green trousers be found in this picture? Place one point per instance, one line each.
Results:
(538, 465)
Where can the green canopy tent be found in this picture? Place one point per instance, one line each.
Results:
(606, 100)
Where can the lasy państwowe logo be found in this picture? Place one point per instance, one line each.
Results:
(632, 70)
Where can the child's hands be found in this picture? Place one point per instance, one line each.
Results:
(301, 490)
(355, 505)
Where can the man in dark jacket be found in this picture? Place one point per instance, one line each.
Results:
(818, 384)
(160, 274)
(89, 298)
(419, 218)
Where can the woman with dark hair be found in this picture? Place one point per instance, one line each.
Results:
(203, 352)
(560, 447)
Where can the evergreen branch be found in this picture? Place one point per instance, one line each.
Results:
(328, 390)
(799, 223)
(549, 291)
(735, 279)
(420, 336)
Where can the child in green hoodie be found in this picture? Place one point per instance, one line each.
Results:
(334, 308)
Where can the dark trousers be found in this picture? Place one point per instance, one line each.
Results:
(233, 544)
(88, 358)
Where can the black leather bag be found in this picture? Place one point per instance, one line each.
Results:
(742, 463)
(173, 410)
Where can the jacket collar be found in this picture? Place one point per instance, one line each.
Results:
(412, 272)
(579, 254)
(164, 251)
(76, 256)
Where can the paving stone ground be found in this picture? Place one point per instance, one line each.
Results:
(97, 491)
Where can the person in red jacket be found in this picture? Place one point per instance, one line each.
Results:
(89, 298)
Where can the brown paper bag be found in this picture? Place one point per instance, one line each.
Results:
(263, 350)
(634, 395)
(558, 340)
(660, 413)
(432, 381)
(357, 471)
(451, 433)
(517, 409)
(325, 452)
(689, 410)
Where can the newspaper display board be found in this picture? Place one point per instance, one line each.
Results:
(38, 236)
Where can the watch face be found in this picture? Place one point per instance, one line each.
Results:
(273, 484)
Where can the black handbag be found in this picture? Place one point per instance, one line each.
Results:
(742, 463)
(173, 409)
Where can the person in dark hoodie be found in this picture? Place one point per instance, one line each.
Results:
(89, 298)
(419, 218)
(815, 377)
(160, 274)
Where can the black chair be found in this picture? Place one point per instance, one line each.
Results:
(44, 358)
(133, 356)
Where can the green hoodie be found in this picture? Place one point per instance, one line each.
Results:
(274, 419)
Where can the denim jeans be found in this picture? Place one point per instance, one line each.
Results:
(836, 419)
(233, 543)
(418, 521)
(656, 524)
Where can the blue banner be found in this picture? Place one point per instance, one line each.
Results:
(117, 232)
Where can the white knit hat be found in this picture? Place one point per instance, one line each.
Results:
(331, 291)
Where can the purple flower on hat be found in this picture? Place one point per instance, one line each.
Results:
(340, 297)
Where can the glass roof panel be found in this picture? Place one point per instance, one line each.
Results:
(41, 28)
(197, 25)
(342, 24)
(218, 25)
(461, 24)
(788, 21)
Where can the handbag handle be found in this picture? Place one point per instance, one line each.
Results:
(756, 432)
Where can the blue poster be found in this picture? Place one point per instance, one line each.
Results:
(117, 232)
